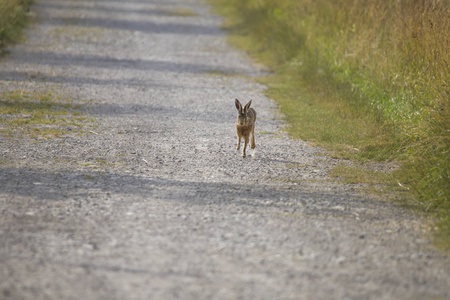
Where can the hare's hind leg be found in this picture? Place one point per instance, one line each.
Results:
(253, 145)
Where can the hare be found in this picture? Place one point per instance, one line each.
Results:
(245, 124)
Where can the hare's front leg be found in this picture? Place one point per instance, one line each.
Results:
(246, 138)
(238, 142)
(253, 145)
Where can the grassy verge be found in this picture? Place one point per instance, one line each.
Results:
(39, 115)
(367, 80)
(14, 15)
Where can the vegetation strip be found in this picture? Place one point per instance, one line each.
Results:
(39, 115)
(368, 80)
(14, 15)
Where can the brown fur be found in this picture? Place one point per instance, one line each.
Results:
(245, 125)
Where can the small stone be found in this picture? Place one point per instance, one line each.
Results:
(416, 256)
(340, 260)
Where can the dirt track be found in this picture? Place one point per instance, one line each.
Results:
(154, 202)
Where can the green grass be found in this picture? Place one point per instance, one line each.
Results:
(39, 115)
(367, 80)
(355, 175)
(14, 15)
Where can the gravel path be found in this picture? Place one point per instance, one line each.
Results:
(154, 202)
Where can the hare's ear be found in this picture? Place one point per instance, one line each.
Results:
(247, 106)
(238, 105)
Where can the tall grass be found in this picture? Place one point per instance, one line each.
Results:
(383, 62)
(13, 17)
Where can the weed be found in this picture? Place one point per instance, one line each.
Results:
(183, 12)
(103, 162)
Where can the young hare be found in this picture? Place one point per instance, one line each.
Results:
(245, 124)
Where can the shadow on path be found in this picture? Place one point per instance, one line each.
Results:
(46, 186)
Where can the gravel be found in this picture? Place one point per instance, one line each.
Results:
(153, 201)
